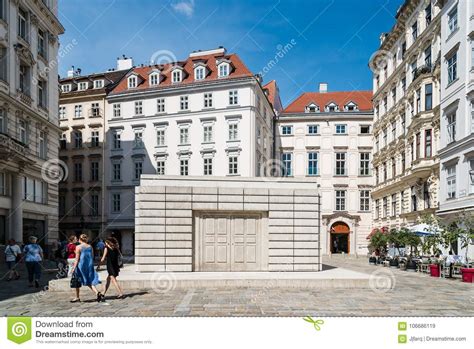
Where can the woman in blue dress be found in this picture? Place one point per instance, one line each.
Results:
(84, 268)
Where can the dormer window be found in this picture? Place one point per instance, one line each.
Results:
(176, 76)
(154, 79)
(66, 88)
(199, 73)
(132, 81)
(223, 69)
(351, 106)
(332, 107)
(98, 83)
(83, 86)
(312, 108)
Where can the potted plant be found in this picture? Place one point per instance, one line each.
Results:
(467, 274)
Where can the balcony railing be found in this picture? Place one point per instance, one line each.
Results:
(425, 69)
(10, 148)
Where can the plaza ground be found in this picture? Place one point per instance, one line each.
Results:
(413, 294)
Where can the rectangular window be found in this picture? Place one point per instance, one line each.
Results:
(207, 166)
(117, 110)
(63, 142)
(117, 140)
(77, 204)
(394, 167)
(402, 201)
(42, 145)
(138, 140)
(83, 86)
(364, 129)
(340, 200)
(94, 138)
(233, 165)
(394, 205)
(286, 159)
(62, 112)
(377, 209)
(414, 200)
(207, 100)
(233, 131)
(160, 137)
(364, 165)
(3, 64)
(116, 203)
(94, 198)
(42, 94)
(417, 145)
(453, 20)
(160, 105)
(453, 68)
(471, 176)
(77, 139)
(233, 97)
(341, 164)
(364, 199)
(183, 103)
(313, 129)
(95, 110)
(451, 181)
(42, 46)
(94, 171)
(313, 164)
(414, 31)
(394, 130)
(341, 129)
(138, 108)
(428, 14)
(184, 135)
(161, 167)
(428, 57)
(385, 206)
(77, 111)
(451, 120)
(154, 79)
(428, 144)
(24, 83)
(117, 171)
(287, 130)
(208, 134)
(184, 167)
(428, 96)
(22, 24)
(98, 84)
(138, 170)
(78, 172)
(403, 156)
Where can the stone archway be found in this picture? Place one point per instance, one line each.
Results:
(340, 238)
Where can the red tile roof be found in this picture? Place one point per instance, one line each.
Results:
(273, 95)
(238, 70)
(363, 99)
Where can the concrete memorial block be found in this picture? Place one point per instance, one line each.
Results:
(227, 224)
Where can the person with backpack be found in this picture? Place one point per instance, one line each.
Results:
(12, 257)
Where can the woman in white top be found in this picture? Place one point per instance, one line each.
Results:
(12, 257)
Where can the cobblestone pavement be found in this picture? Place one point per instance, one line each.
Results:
(413, 294)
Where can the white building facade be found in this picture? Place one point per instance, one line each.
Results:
(457, 108)
(328, 136)
(406, 116)
(29, 129)
(205, 116)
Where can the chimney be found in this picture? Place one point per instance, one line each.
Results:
(70, 72)
(124, 63)
(323, 87)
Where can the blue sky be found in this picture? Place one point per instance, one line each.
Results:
(326, 40)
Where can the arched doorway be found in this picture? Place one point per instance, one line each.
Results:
(340, 238)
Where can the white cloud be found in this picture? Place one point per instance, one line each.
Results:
(184, 7)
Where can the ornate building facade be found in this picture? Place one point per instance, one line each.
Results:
(407, 116)
(29, 129)
(328, 136)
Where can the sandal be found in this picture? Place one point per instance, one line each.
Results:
(75, 300)
(121, 296)
(100, 296)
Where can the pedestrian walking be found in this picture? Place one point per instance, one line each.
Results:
(112, 256)
(33, 258)
(83, 271)
(70, 253)
(12, 257)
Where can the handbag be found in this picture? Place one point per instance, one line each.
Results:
(120, 259)
(75, 281)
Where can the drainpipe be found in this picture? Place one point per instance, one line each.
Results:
(104, 134)
(319, 230)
